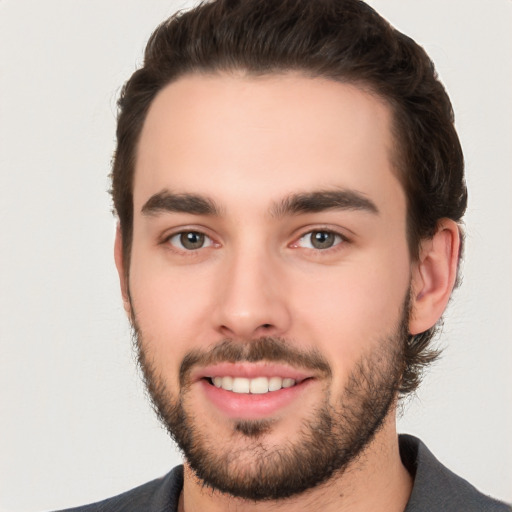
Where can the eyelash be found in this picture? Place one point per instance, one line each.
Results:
(206, 238)
(339, 239)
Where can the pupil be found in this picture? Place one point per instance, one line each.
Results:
(322, 240)
(192, 240)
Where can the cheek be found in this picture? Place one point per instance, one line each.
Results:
(349, 310)
(170, 308)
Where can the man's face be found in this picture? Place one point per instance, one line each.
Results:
(269, 251)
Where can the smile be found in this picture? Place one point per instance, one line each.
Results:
(252, 390)
(257, 385)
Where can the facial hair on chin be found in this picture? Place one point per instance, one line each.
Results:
(328, 439)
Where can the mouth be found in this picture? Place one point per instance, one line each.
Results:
(252, 390)
(254, 386)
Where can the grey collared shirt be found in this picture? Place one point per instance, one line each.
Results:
(436, 489)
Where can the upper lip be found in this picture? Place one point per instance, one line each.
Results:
(249, 371)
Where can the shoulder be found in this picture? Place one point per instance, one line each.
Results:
(160, 495)
(438, 488)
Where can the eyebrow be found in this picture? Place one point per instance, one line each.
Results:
(322, 200)
(166, 201)
(303, 202)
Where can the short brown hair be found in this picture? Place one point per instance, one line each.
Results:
(342, 40)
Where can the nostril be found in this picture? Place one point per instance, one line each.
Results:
(266, 326)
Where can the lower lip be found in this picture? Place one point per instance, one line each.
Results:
(252, 406)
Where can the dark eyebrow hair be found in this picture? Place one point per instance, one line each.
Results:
(303, 202)
(321, 200)
(166, 201)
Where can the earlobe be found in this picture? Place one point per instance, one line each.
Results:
(434, 276)
(123, 279)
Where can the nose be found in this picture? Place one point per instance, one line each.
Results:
(252, 298)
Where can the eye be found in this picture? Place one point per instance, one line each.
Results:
(320, 239)
(190, 240)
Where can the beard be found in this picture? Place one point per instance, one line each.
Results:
(329, 438)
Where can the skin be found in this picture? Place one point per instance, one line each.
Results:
(247, 144)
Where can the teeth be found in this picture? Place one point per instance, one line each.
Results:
(258, 385)
(241, 385)
(288, 383)
(275, 383)
(227, 383)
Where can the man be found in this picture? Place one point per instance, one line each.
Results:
(289, 187)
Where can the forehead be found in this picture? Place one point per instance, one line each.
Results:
(239, 138)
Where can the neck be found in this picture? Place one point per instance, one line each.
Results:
(376, 480)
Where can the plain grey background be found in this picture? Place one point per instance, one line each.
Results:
(75, 425)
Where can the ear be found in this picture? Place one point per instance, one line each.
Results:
(434, 275)
(123, 277)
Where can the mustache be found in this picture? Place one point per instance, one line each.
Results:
(268, 348)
